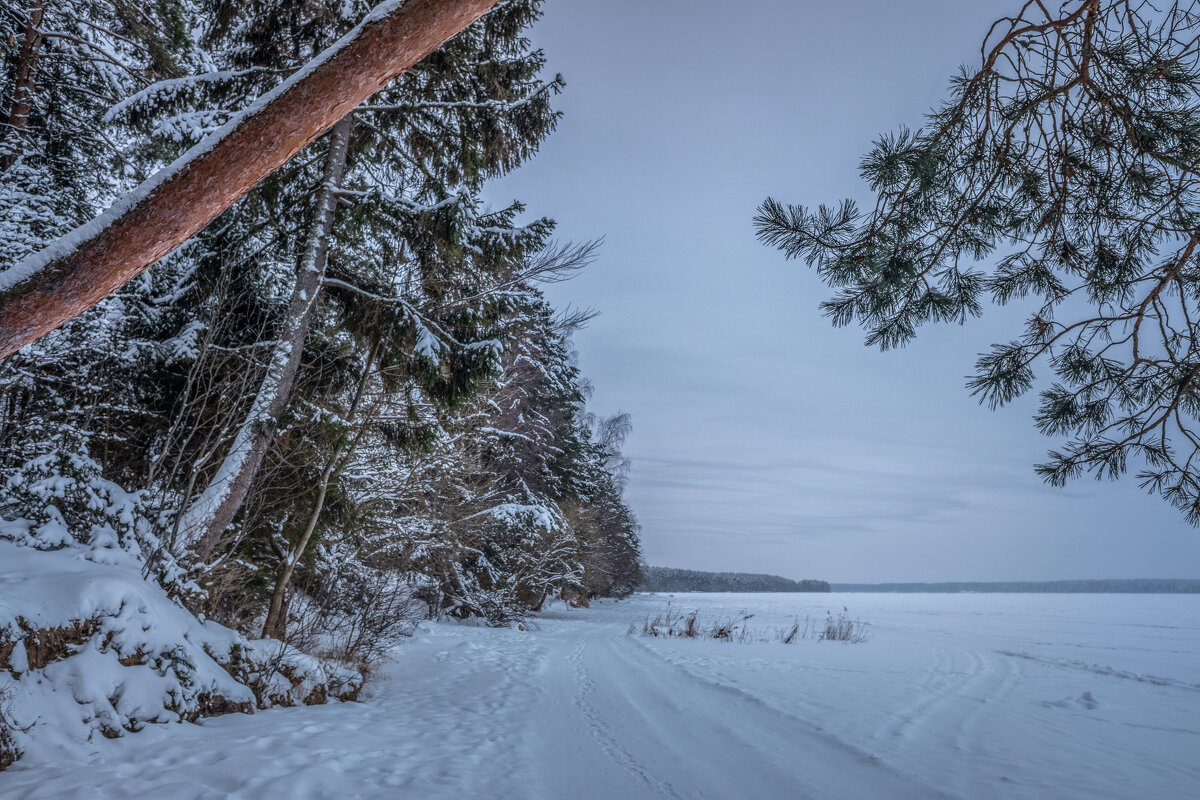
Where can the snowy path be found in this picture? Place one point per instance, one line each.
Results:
(1056, 698)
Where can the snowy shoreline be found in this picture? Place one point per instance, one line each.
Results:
(967, 696)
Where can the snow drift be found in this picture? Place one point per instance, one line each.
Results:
(92, 644)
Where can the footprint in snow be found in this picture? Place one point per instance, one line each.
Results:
(1085, 700)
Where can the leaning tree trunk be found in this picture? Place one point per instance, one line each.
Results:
(23, 87)
(93, 261)
(209, 515)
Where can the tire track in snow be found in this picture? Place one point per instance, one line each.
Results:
(942, 688)
(774, 738)
(967, 737)
(929, 691)
(1107, 671)
(585, 687)
(957, 700)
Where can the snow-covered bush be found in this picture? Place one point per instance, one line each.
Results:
(354, 613)
(60, 499)
(94, 639)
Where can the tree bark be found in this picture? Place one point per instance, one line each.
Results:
(22, 104)
(208, 517)
(93, 261)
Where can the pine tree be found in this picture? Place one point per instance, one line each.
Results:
(1060, 171)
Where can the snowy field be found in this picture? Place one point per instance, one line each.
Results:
(964, 696)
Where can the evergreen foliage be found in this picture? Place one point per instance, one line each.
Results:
(433, 453)
(1059, 175)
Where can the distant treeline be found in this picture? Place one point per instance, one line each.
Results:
(666, 579)
(1111, 586)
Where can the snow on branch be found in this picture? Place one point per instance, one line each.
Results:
(499, 105)
(175, 84)
(82, 268)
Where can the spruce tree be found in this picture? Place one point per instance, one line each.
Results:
(410, 292)
(62, 159)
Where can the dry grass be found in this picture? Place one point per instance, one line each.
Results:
(843, 629)
(672, 624)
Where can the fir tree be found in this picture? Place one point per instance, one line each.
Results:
(413, 290)
(361, 317)
(62, 160)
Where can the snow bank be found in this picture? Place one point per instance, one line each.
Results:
(91, 644)
(91, 648)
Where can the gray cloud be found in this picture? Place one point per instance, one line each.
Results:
(764, 439)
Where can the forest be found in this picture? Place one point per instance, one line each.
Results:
(667, 579)
(344, 406)
(306, 490)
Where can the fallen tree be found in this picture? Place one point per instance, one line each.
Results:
(93, 261)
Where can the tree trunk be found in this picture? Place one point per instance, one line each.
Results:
(22, 104)
(207, 518)
(93, 261)
(276, 622)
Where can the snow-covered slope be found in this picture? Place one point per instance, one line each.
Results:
(89, 648)
(978, 696)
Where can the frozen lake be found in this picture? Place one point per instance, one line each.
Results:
(986, 695)
(965, 696)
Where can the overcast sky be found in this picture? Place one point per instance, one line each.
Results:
(764, 439)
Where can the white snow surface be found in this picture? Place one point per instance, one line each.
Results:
(964, 696)
(67, 705)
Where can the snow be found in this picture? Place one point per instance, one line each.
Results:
(170, 85)
(964, 696)
(142, 658)
(34, 264)
(70, 700)
(519, 514)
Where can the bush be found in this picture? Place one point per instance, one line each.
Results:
(672, 624)
(843, 629)
(351, 613)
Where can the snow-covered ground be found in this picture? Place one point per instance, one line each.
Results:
(966, 696)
